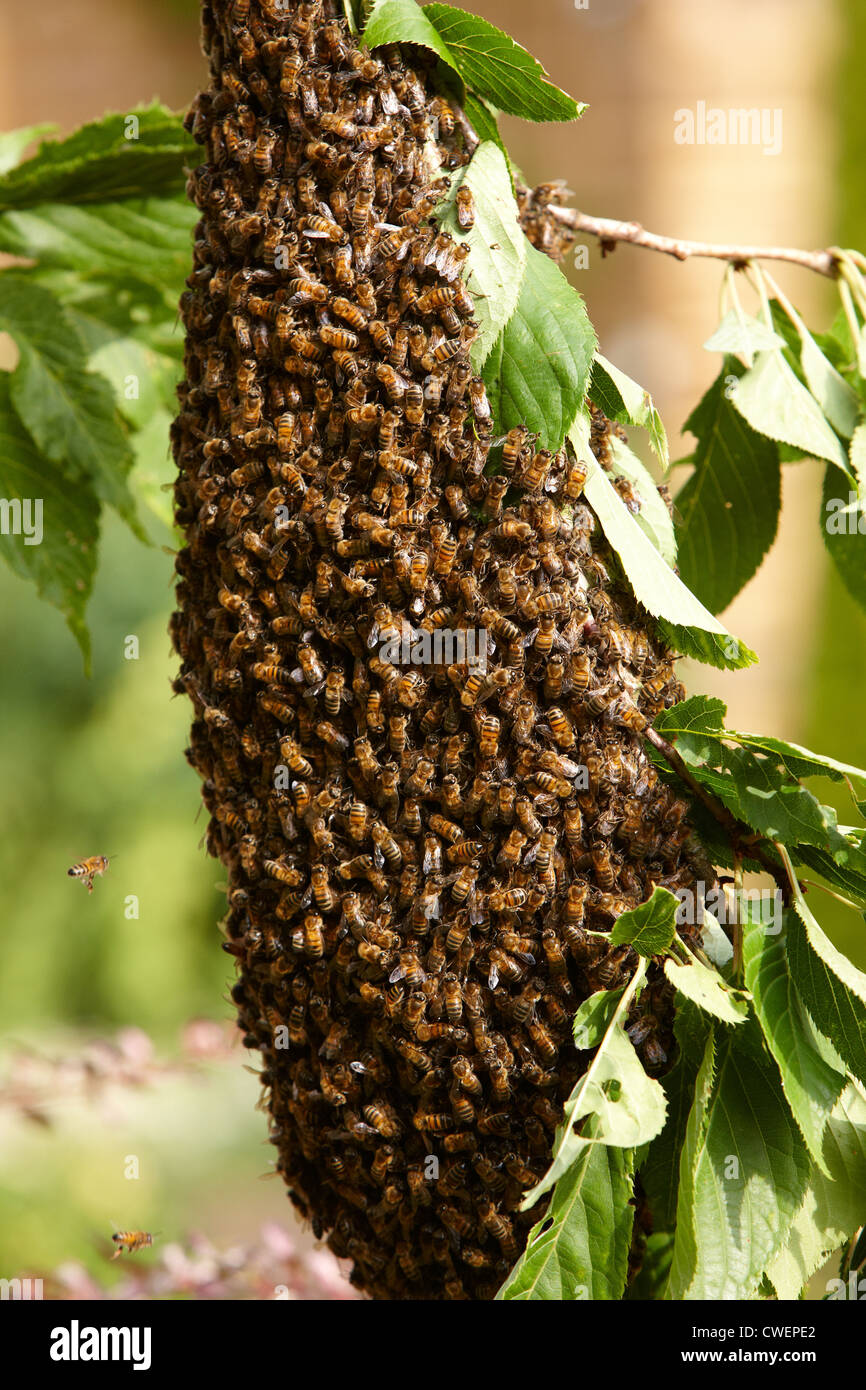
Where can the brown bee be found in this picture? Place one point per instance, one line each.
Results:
(130, 1241)
(88, 869)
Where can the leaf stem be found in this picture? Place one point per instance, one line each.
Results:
(812, 883)
(610, 231)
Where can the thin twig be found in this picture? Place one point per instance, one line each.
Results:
(609, 232)
(743, 839)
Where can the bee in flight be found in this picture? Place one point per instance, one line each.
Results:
(88, 869)
(130, 1241)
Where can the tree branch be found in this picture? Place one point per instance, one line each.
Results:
(609, 232)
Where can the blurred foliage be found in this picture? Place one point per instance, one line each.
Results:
(97, 767)
(833, 700)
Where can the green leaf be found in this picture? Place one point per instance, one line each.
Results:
(497, 68)
(777, 405)
(746, 1175)
(841, 523)
(650, 1283)
(624, 401)
(708, 990)
(743, 335)
(497, 246)
(13, 143)
(537, 373)
(845, 880)
(836, 398)
(660, 1171)
(830, 985)
(63, 564)
(730, 505)
(692, 629)
(628, 1108)
(649, 928)
(579, 1250)
(685, 1254)
(757, 788)
(98, 162)
(697, 715)
(402, 21)
(832, 1209)
(592, 1019)
(799, 761)
(701, 715)
(138, 240)
(69, 411)
(483, 121)
(653, 518)
(811, 1086)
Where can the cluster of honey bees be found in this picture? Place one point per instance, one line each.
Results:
(418, 856)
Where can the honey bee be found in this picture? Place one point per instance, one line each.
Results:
(130, 1241)
(88, 869)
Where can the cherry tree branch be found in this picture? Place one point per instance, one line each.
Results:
(610, 232)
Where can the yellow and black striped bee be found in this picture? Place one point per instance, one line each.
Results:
(88, 869)
(130, 1241)
(465, 204)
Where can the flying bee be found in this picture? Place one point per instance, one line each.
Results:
(88, 869)
(130, 1241)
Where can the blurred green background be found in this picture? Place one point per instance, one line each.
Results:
(96, 766)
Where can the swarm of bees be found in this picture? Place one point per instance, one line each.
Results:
(417, 854)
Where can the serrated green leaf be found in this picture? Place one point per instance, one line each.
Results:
(579, 1250)
(730, 505)
(402, 21)
(845, 880)
(497, 68)
(650, 1283)
(695, 631)
(98, 162)
(624, 401)
(725, 653)
(708, 990)
(811, 1086)
(832, 1208)
(13, 143)
(649, 928)
(660, 1170)
(146, 240)
(771, 399)
(63, 564)
(69, 411)
(592, 1019)
(743, 335)
(482, 120)
(627, 1106)
(497, 246)
(653, 518)
(685, 1254)
(843, 526)
(836, 398)
(758, 789)
(749, 1170)
(698, 714)
(536, 374)
(830, 985)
